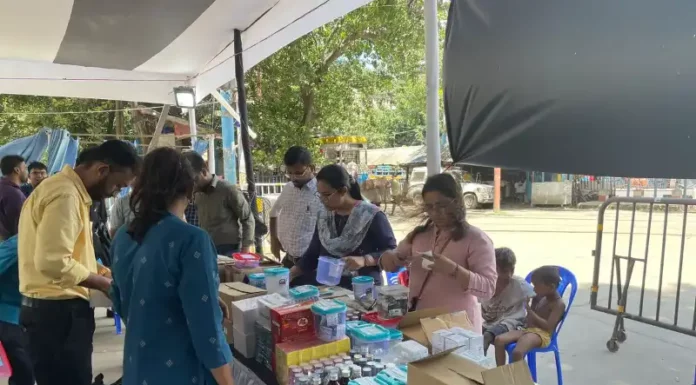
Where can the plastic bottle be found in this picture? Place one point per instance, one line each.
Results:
(345, 376)
(355, 372)
(366, 371)
(333, 378)
(304, 380)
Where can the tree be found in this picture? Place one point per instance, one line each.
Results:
(351, 76)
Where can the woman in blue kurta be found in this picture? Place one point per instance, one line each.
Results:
(166, 283)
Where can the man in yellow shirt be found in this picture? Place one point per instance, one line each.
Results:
(56, 261)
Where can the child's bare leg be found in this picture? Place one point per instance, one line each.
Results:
(488, 338)
(525, 343)
(502, 341)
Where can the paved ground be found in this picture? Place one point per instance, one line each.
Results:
(650, 356)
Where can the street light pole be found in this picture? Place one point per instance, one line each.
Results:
(432, 68)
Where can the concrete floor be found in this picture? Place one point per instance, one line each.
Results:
(650, 356)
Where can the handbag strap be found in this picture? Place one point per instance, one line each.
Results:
(415, 299)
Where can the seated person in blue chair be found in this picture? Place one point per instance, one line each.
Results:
(544, 312)
(506, 310)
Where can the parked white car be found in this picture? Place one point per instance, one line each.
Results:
(475, 194)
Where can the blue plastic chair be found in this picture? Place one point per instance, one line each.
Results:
(117, 323)
(567, 279)
(390, 279)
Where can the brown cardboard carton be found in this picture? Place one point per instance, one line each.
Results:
(411, 326)
(235, 291)
(238, 274)
(449, 369)
(225, 266)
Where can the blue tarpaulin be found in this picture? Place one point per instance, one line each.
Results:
(62, 149)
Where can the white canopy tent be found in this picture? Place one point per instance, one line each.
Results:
(139, 50)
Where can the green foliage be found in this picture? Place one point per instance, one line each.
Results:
(19, 115)
(360, 75)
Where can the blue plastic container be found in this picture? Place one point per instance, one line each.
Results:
(257, 280)
(350, 325)
(277, 280)
(329, 319)
(330, 270)
(304, 293)
(364, 289)
(395, 336)
(375, 337)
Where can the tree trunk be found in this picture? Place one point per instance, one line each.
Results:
(307, 95)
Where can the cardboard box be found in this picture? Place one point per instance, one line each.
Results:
(244, 314)
(450, 369)
(225, 268)
(265, 348)
(420, 325)
(238, 274)
(235, 291)
(244, 343)
(227, 329)
(411, 327)
(475, 343)
(293, 323)
(271, 301)
(295, 353)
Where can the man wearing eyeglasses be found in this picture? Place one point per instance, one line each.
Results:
(294, 215)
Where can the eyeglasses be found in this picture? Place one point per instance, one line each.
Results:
(324, 197)
(297, 175)
(438, 206)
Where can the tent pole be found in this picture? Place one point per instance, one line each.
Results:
(193, 126)
(432, 58)
(211, 154)
(244, 127)
(158, 128)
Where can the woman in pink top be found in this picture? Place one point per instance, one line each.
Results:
(451, 263)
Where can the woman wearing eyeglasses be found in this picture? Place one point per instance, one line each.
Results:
(347, 227)
(452, 264)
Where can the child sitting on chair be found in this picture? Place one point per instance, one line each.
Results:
(505, 311)
(544, 312)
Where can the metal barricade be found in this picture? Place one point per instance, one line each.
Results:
(649, 218)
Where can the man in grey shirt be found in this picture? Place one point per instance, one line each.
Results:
(222, 210)
(120, 214)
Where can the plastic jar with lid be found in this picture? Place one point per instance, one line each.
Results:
(277, 280)
(330, 270)
(257, 280)
(364, 289)
(395, 336)
(329, 320)
(373, 337)
(304, 293)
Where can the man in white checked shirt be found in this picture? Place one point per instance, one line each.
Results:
(294, 215)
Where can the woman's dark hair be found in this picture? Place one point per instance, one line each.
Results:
(446, 185)
(548, 275)
(165, 177)
(337, 177)
(505, 259)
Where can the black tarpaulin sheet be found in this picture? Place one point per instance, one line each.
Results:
(586, 87)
